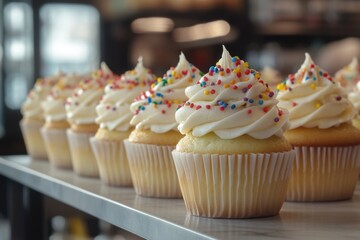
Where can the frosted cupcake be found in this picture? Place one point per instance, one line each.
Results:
(233, 161)
(349, 78)
(327, 145)
(113, 116)
(56, 124)
(33, 116)
(81, 114)
(155, 136)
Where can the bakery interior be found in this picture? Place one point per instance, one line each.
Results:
(42, 37)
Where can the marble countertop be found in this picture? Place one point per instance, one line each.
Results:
(153, 218)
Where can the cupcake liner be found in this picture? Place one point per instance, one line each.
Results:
(57, 147)
(152, 170)
(34, 142)
(233, 186)
(324, 173)
(112, 162)
(82, 156)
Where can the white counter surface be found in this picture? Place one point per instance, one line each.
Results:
(167, 219)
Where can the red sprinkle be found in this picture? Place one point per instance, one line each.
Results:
(325, 74)
(249, 111)
(212, 91)
(234, 87)
(247, 71)
(249, 86)
(191, 105)
(238, 74)
(280, 113)
(198, 107)
(228, 70)
(265, 109)
(222, 108)
(107, 107)
(208, 106)
(312, 65)
(218, 82)
(206, 79)
(184, 72)
(294, 104)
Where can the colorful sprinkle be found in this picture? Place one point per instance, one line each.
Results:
(208, 106)
(233, 106)
(276, 119)
(198, 107)
(212, 91)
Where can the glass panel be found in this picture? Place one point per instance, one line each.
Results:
(69, 38)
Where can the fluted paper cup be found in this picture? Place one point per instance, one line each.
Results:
(233, 186)
(112, 162)
(34, 142)
(57, 147)
(82, 156)
(324, 173)
(152, 170)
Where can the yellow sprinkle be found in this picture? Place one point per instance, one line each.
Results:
(280, 86)
(173, 73)
(206, 92)
(159, 79)
(170, 81)
(226, 85)
(246, 64)
(221, 73)
(264, 96)
(318, 105)
(190, 80)
(232, 82)
(152, 85)
(176, 101)
(236, 70)
(152, 95)
(313, 86)
(257, 75)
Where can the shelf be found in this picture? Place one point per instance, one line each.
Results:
(153, 218)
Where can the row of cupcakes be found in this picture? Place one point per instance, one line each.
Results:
(234, 160)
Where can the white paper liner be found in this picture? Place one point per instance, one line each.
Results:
(112, 162)
(82, 156)
(324, 173)
(152, 170)
(57, 147)
(34, 142)
(233, 186)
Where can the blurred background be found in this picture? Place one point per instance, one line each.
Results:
(42, 37)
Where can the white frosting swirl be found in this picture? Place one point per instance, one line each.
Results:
(80, 107)
(354, 98)
(54, 105)
(231, 100)
(114, 108)
(31, 108)
(155, 108)
(313, 98)
(349, 75)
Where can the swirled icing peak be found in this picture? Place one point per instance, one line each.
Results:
(349, 75)
(155, 109)
(113, 111)
(54, 105)
(80, 106)
(231, 100)
(31, 108)
(313, 98)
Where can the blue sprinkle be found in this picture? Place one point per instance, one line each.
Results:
(314, 78)
(142, 108)
(193, 76)
(233, 59)
(216, 70)
(307, 78)
(160, 102)
(159, 95)
(224, 104)
(170, 75)
(321, 73)
(203, 84)
(251, 100)
(211, 68)
(261, 102)
(149, 100)
(220, 102)
(233, 106)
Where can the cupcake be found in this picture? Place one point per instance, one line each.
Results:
(33, 116)
(271, 76)
(114, 117)
(155, 135)
(56, 124)
(326, 144)
(81, 115)
(234, 161)
(349, 78)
